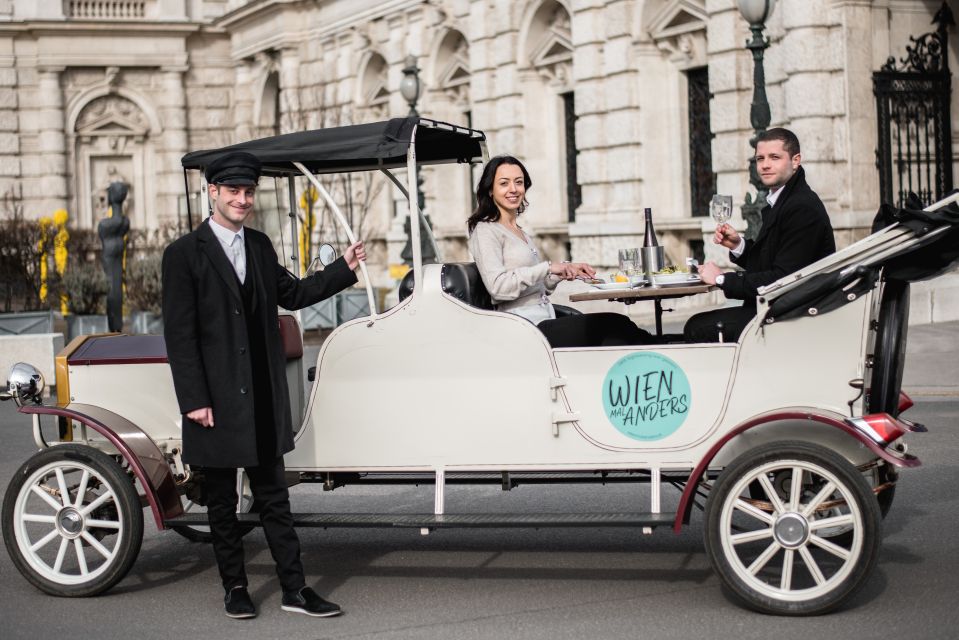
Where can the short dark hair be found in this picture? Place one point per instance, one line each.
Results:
(787, 137)
(486, 210)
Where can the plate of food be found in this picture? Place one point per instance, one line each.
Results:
(673, 276)
(612, 286)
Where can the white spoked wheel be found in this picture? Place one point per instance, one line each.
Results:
(72, 521)
(776, 551)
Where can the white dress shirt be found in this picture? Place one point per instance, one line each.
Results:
(233, 246)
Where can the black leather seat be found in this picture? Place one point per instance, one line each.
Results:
(462, 281)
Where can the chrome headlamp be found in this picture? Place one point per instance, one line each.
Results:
(24, 382)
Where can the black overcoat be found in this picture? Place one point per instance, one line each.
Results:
(207, 342)
(795, 233)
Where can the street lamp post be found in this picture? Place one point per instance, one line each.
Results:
(755, 12)
(410, 89)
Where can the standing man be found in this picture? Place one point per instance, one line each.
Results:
(795, 233)
(221, 287)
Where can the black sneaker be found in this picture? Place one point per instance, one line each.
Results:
(307, 601)
(238, 603)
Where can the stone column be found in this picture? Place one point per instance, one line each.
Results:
(47, 187)
(171, 144)
(292, 117)
(9, 124)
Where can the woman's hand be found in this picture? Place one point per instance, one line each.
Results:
(572, 270)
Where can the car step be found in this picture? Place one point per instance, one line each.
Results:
(453, 520)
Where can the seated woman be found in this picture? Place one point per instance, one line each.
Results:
(517, 279)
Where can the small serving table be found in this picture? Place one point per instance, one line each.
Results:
(646, 292)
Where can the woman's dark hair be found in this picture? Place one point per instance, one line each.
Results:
(486, 210)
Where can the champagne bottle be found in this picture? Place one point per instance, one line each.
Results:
(650, 238)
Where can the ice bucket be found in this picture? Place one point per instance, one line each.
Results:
(654, 259)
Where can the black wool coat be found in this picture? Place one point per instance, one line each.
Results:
(795, 233)
(206, 332)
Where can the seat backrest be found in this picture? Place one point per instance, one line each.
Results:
(459, 279)
(462, 281)
(291, 336)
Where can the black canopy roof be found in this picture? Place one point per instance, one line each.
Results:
(357, 147)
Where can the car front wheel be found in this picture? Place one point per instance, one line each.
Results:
(72, 521)
(773, 551)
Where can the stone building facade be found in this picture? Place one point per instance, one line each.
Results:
(614, 105)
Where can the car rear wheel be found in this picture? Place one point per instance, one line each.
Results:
(774, 554)
(72, 521)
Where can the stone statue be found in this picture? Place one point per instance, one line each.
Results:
(113, 230)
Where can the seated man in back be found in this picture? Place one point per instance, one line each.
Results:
(795, 233)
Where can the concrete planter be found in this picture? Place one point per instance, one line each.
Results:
(26, 322)
(147, 322)
(85, 325)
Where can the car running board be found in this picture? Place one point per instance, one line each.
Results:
(451, 521)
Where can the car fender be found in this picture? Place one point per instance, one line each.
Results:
(140, 452)
(795, 414)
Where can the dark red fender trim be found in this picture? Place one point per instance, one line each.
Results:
(831, 419)
(141, 453)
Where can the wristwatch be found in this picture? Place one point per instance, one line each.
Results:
(720, 279)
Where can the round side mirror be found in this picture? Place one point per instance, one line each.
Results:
(326, 254)
(25, 382)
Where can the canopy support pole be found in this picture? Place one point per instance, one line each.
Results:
(295, 250)
(414, 210)
(349, 233)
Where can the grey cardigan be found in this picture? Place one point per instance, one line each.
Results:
(512, 270)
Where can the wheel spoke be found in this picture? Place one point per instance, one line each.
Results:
(819, 499)
(787, 578)
(62, 484)
(93, 542)
(834, 521)
(764, 558)
(81, 559)
(46, 497)
(45, 540)
(795, 489)
(751, 536)
(96, 503)
(35, 517)
(103, 524)
(831, 547)
(82, 488)
(811, 565)
(771, 493)
(755, 512)
(61, 554)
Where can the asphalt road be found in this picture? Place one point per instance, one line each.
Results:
(521, 584)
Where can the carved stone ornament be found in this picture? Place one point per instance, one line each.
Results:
(112, 114)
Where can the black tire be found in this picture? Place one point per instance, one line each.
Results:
(96, 549)
(889, 352)
(815, 574)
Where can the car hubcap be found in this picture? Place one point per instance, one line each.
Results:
(791, 530)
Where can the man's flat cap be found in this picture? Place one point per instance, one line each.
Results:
(237, 168)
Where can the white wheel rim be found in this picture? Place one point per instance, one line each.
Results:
(782, 553)
(68, 523)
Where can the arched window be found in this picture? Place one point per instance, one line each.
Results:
(268, 120)
(375, 94)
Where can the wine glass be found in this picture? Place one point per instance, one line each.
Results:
(721, 208)
(628, 259)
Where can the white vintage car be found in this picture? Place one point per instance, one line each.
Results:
(791, 439)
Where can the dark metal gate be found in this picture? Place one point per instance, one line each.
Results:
(915, 130)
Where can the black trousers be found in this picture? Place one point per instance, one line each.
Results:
(273, 498)
(703, 327)
(593, 330)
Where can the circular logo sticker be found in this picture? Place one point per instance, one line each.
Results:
(646, 396)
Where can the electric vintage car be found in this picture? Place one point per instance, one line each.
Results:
(790, 439)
